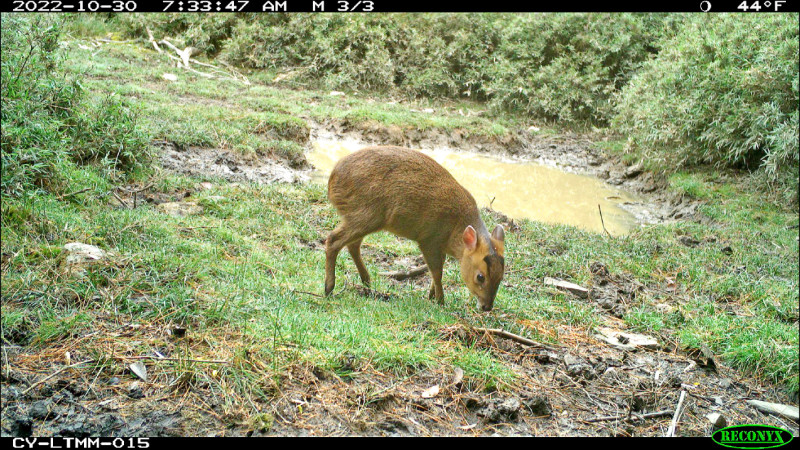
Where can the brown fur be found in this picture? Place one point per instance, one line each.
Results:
(409, 194)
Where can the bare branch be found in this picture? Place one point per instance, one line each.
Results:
(402, 275)
(514, 337)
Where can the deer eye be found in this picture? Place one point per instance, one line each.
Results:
(481, 278)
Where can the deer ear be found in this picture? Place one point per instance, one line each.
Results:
(498, 233)
(470, 238)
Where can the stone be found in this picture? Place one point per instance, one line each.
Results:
(179, 208)
(79, 252)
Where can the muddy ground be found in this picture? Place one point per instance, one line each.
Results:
(582, 388)
(571, 153)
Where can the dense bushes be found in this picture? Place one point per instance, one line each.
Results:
(723, 91)
(35, 102)
(567, 67)
(558, 67)
(47, 124)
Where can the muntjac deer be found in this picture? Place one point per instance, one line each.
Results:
(407, 193)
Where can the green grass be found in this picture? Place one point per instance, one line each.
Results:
(247, 268)
(229, 114)
(243, 271)
(233, 275)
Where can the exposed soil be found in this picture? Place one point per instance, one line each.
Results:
(234, 166)
(583, 388)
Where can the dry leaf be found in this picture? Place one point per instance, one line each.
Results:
(459, 375)
(139, 369)
(432, 391)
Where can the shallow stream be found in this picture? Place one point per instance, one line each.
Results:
(518, 189)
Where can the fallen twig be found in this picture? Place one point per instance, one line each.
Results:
(180, 64)
(787, 411)
(184, 54)
(121, 201)
(142, 189)
(602, 221)
(631, 417)
(308, 293)
(185, 57)
(573, 288)
(209, 361)
(152, 40)
(54, 374)
(676, 416)
(235, 73)
(333, 294)
(514, 337)
(62, 197)
(402, 275)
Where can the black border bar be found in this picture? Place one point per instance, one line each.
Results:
(410, 6)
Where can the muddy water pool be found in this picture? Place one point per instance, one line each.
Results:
(519, 189)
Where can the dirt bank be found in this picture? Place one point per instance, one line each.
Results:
(233, 166)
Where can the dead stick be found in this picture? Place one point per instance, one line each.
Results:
(180, 61)
(309, 293)
(674, 423)
(514, 337)
(402, 275)
(210, 361)
(142, 189)
(169, 44)
(628, 418)
(122, 202)
(602, 221)
(152, 40)
(54, 374)
(318, 295)
(62, 197)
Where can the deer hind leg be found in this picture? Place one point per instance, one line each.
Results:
(350, 235)
(355, 252)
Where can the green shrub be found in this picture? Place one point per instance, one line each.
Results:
(35, 102)
(567, 67)
(206, 32)
(336, 51)
(47, 125)
(723, 91)
(108, 132)
(447, 55)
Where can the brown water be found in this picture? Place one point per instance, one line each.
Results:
(519, 189)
